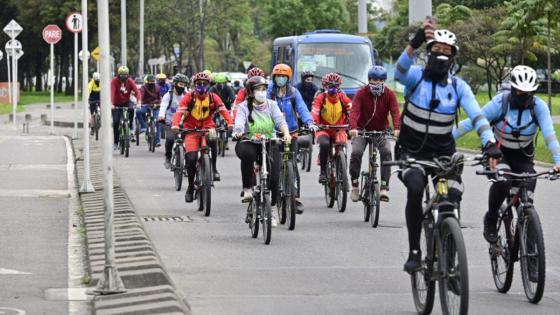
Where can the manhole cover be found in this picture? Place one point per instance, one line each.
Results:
(166, 218)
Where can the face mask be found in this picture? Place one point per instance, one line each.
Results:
(151, 85)
(260, 96)
(201, 89)
(281, 81)
(332, 90)
(123, 78)
(162, 82)
(220, 86)
(180, 89)
(520, 101)
(438, 66)
(377, 89)
(96, 82)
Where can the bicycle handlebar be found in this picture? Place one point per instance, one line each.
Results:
(552, 175)
(333, 126)
(442, 164)
(365, 133)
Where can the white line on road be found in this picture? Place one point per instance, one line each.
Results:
(4, 271)
(35, 193)
(33, 167)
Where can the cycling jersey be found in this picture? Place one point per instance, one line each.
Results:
(202, 111)
(370, 112)
(169, 105)
(94, 91)
(120, 91)
(265, 120)
(327, 111)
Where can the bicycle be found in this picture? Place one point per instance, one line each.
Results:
(520, 236)
(286, 203)
(96, 119)
(305, 153)
(124, 133)
(336, 186)
(137, 129)
(222, 130)
(369, 183)
(151, 131)
(178, 161)
(259, 210)
(442, 244)
(203, 181)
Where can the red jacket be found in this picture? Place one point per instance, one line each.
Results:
(364, 105)
(337, 116)
(204, 119)
(120, 91)
(240, 97)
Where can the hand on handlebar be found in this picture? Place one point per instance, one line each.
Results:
(353, 133)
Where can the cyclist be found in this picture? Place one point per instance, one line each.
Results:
(432, 100)
(122, 86)
(168, 108)
(164, 87)
(258, 115)
(515, 116)
(330, 108)
(223, 90)
(197, 108)
(94, 89)
(291, 104)
(150, 102)
(236, 86)
(241, 94)
(307, 88)
(372, 103)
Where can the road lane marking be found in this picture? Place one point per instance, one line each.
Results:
(35, 193)
(4, 271)
(33, 167)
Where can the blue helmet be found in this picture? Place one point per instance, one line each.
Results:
(377, 72)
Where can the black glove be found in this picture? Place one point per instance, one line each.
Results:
(493, 151)
(418, 39)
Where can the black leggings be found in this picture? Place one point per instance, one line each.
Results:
(117, 113)
(248, 152)
(324, 146)
(169, 141)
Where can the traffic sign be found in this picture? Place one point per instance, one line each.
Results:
(81, 54)
(52, 34)
(246, 64)
(13, 29)
(11, 45)
(96, 54)
(153, 61)
(74, 22)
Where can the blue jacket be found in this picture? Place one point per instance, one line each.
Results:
(503, 129)
(164, 88)
(285, 104)
(418, 114)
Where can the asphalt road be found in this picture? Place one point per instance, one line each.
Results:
(333, 263)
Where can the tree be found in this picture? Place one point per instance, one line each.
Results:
(473, 4)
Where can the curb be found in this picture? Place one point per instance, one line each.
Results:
(63, 124)
(149, 287)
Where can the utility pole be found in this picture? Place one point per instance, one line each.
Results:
(418, 10)
(86, 185)
(123, 32)
(201, 40)
(141, 41)
(362, 18)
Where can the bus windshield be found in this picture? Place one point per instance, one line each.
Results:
(351, 61)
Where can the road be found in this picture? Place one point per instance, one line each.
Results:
(333, 263)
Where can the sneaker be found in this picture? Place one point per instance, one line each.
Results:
(216, 176)
(158, 145)
(246, 195)
(414, 262)
(189, 195)
(91, 132)
(355, 194)
(273, 220)
(322, 178)
(167, 164)
(115, 147)
(299, 207)
(490, 230)
(384, 195)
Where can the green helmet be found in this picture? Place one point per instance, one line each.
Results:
(220, 78)
(122, 70)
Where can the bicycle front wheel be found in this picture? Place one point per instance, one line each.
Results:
(308, 157)
(137, 131)
(454, 285)
(223, 142)
(423, 287)
(531, 246)
(253, 211)
(290, 193)
(206, 195)
(501, 259)
(341, 182)
(375, 205)
(330, 186)
(266, 218)
(178, 165)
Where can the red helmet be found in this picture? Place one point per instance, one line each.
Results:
(200, 76)
(255, 72)
(332, 78)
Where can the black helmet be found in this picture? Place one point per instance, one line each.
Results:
(253, 82)
(306, 74)
(179, 77)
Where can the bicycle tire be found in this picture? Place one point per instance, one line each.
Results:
(223, 143)
(178, 165)
(365, 193)
(280, 202)
(198, 183)
(329, 190)
(501, 258)
(423, 287)
(453, 256)
(290, 194)
(97, 122)
(121, 137)
(309, 156)
(531, 235)
(254, 221)
(137, 131)
(376, 205)
(207, 185)
(341, 182)
(266, 219)
(126, 140)
(302, 158)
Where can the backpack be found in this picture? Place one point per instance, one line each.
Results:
(344, 111)
(506, 97)
(193, 101)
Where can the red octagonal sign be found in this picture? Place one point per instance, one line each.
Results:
(52, 34)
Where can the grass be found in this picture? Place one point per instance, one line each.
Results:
(7, 108)
(33, 98)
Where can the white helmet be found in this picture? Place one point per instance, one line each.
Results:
(444, 37)
(524, 79)
(96, 76)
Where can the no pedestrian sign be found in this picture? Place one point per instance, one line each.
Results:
(74, 22)
(52, 34)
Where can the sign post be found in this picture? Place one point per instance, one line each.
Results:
(74, 25)
(52, 34)
(86, 185)
(13, 29)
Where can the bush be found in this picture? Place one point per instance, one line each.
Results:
(474, 76)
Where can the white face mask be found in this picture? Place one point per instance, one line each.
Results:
(260, 96)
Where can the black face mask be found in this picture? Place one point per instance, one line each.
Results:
(123, 78)
(438, 66)
(96, 82)
(180, 90)
(520, 101)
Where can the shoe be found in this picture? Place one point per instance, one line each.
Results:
(414, 262)
(246, 195)
(167, 164)
(143, 130)
(158, 145)
(189, 195)
(132, 139)
(355, 194)
(322, 178)
(273, 220)
(384, 195)
(227, 148)
(490, 231)
(91, 132)
(299, 207)
(216, 176)
(115, 147)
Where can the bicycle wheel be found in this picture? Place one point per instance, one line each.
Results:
(137, 131)
(178, 163)
(329, 186)
(198, 185)
(341, 182)
(423, 287)
(375, 204)
(366, 195)
(206, 195)
(531, 246)
(97, 125)
(281, 199)
(454, 286)
(501, 259)
(121, 137)
(252, 208)
(223, 142)
(302, 157)
(266, 218)
(308, 156)
(290, 193)
(126, 140)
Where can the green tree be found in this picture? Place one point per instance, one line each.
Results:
(473, 4)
